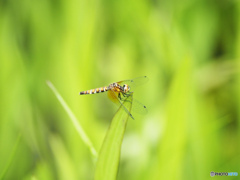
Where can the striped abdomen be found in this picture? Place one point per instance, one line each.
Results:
(94, 91)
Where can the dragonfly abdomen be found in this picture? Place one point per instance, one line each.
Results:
(94, 91)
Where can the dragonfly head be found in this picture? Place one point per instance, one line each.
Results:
(126, 88)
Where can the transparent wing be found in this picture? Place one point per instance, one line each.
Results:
(134, 82)
(137, 107)
(113, 96)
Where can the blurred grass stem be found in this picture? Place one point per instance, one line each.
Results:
(74, 120)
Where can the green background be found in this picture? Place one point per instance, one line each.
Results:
(188, 49)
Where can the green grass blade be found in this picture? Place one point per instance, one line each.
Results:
(108, 161)
(4, 172)
(74, 120)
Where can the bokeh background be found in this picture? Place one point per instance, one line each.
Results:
(188, 49)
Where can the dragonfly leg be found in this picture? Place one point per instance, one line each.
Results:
(127, 95)
(123, 94)
(119, 96)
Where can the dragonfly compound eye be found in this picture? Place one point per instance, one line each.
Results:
(126, 88)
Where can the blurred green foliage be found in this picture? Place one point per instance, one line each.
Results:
(190, 52)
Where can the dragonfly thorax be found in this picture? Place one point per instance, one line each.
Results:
(118, 88)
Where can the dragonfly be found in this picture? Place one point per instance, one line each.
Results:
(121, 93)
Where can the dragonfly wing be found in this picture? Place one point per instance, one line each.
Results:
(113, 96)
(134, 82)
(139, 107)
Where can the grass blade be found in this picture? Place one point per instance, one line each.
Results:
(74, 120)
(108, 161)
